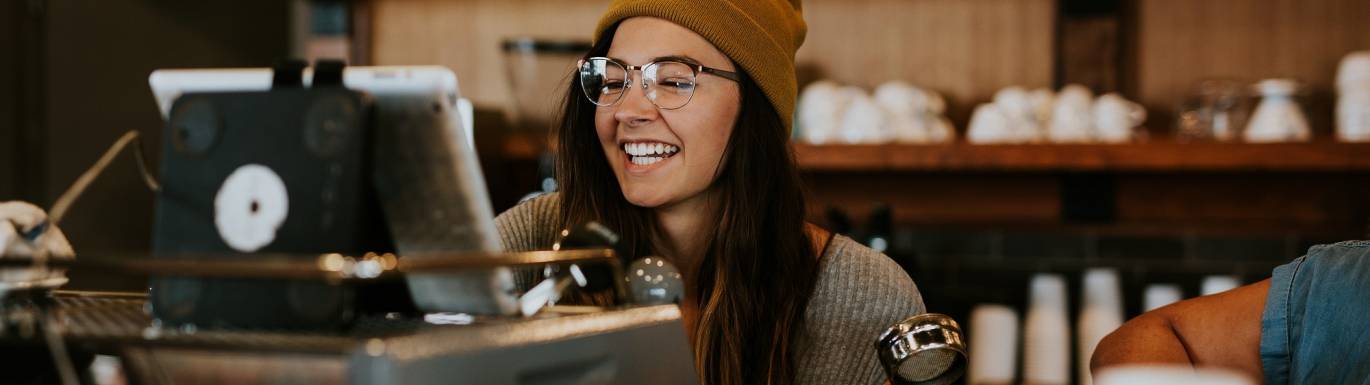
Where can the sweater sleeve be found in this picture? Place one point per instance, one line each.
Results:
(531, 225)
(860, 292)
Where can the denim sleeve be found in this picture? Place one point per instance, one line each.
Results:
(1314, 327)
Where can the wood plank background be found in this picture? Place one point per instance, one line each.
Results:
(1181, 42)
(966, 49)
(1158, 156)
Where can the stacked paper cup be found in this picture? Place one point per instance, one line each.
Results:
(1353, 98)
(1215, 284)
(993, 345)
(1102, 314)
(1159, 295)
(1046, 333)
(1155, 374)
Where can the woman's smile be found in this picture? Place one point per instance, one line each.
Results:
(642, 157)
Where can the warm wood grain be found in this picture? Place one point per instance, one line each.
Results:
(965, 49)
(465, 36)
(1163, 156)
(1180, 42)
(1322, 205)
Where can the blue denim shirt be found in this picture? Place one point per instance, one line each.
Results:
(1316, 324)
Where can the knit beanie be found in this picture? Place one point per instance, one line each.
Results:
(761, 36)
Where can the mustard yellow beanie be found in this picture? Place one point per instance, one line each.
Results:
(760, 36)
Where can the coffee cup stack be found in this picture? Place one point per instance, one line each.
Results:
(1353, 98)
(1046, 333)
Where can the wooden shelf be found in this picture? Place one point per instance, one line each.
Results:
(1166, 156)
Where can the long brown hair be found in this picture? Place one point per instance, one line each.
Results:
(759, 268)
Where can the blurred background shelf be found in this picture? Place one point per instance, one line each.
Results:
(1154, 156)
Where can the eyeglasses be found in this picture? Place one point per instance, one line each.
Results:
(669, 84)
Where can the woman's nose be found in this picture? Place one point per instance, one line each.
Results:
(636, 109)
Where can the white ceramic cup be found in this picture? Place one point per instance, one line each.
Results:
(1278, 117)
(1102, 314)
(993, 345)
(1159, 295)
(1072, 116)
(1046, 333)
(1116, 118)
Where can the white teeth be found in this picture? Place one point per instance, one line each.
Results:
(646, 160)
(649, 149)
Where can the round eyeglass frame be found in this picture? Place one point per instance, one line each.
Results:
(695, 69)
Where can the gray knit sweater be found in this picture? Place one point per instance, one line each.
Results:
(859, 293)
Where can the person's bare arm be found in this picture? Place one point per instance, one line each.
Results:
(1220, 330)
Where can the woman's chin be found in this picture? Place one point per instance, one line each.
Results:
(645, 199)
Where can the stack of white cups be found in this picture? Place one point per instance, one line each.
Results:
(1046, 333)
(1159, 295)
(1215, 284)
(1102, 314)
(1159, 374)
(993, 345)
(1353, 98)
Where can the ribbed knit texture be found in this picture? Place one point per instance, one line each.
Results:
(761, 36)
(859, 293)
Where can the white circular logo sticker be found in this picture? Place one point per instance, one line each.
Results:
(250, 207)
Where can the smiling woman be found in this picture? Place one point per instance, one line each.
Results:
(675, 134)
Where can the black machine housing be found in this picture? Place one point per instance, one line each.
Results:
(316, 140)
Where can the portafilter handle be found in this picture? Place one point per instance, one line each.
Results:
(926, 349)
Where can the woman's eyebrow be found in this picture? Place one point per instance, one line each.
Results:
(679, 58)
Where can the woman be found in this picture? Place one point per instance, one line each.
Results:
(675, 134)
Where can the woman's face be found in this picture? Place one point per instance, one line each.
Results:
(699, 131)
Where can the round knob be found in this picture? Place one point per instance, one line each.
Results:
(653, 281)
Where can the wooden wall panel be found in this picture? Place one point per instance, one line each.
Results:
(465, 36)
(938, 199)
(967, 49)
(1180, 42)
(1318, 205)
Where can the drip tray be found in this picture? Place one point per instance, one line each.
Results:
(620, 346)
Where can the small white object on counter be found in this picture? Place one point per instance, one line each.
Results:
(1159, 295)
(863, 122)
(1278, 117)
(1016, 104)
(1353, 98)
(1010, 119)
(1072, 116)
(1159, 374)
(1116, 119)
(993, 345)
(989, 125)
(897, 112)
(1215, 284)
(1043, 101)
(16, 219)
(914, 115)
(1046, 333)
(820, 111)
(1102, 314)
(1018, 116)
